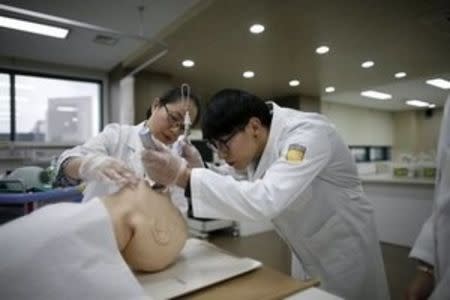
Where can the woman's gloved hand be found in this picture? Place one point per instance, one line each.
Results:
(162, 165)
(191, 154)
(97, 167)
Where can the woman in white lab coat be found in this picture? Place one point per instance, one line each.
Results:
(295, 170)
(113, 158)
(432, 247)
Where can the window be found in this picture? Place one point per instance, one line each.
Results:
(359, 153)
(49, 109)
(5, 109)
(370, 153)
(379, 153)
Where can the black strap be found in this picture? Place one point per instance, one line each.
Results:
(187, 194)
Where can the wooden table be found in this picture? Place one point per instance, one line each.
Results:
(261, 284)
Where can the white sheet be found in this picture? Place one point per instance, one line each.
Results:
(200, 264)
(64, 251)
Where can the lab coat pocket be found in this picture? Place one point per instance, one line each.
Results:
(335, 250)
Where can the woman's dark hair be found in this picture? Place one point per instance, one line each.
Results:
(174, 95)
(231, 108)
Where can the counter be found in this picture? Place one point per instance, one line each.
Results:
(386, 178)
(401, 204)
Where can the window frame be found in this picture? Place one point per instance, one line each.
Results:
(12, 91)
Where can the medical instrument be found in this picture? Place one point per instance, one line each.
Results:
(147, 138)
(149, 143)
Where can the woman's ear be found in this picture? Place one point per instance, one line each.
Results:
(156, 103)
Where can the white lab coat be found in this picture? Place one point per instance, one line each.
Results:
(121, 142)
(64, 251)
(317, 205)
(433, 243)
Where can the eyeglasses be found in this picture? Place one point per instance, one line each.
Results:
(174, 122)
(222, 145)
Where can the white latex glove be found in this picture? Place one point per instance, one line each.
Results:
(162, 165)
(191, 154)
(97, 167)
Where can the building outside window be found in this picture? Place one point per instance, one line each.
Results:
(49, 109)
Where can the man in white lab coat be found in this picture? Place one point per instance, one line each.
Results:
(292, 168)
(432, 247)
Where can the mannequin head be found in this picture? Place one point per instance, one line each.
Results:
(150, 230)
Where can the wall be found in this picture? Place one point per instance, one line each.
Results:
(409, 131)
(301, 102)
(361, 126)
(147, 87)
(416, 132)
(144, 87)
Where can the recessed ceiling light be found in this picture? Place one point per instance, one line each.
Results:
(330, 89)
(248, 74)
(187, 63)
(294, 82)
(400, 75)
(440, 83)
(431, 105)
(322, 50)
(376, 95)
(367, 64)
(33, 27)
(417, 103)
(257, 28)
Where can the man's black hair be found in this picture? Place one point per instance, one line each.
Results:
(173, 96)
(232, 108)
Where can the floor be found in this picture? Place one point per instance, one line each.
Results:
(268, 248)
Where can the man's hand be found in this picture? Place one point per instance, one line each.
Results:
(162, 165)
(421, 287)
(97, 167)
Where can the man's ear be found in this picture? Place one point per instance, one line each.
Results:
(255, 125)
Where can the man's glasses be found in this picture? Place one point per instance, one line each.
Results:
(174, 122)
(222, 145)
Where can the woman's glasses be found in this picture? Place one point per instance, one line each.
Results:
(173, 120)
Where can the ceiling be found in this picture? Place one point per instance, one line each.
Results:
(402, 35)
(121, 18)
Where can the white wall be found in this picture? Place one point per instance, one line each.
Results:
(415, 132)
(361, 126)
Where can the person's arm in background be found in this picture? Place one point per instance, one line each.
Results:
(423, 251)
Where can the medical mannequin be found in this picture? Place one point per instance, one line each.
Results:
(81, 251)
(150, 231)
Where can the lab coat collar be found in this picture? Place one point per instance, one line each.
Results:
(134, 144)
(270, 153)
